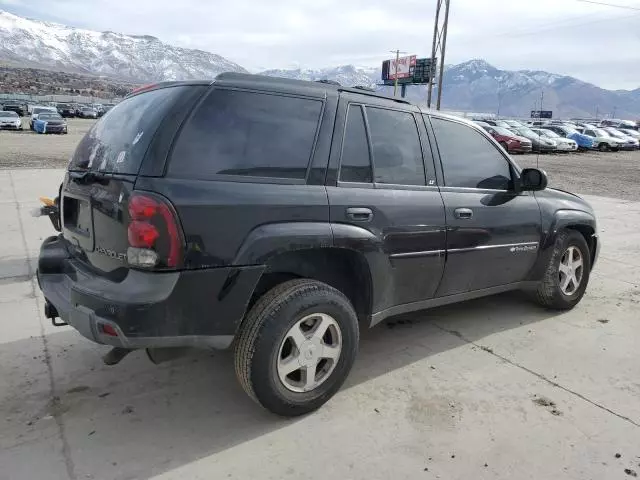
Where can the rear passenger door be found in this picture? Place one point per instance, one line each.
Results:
(384, 191)
(493, 231)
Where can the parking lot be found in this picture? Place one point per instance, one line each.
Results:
(495, 388)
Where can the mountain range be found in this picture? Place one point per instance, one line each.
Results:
(473, 86)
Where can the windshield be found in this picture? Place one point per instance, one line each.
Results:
(503, 131)
(601, 133)
(527, 132)
(9, 114)
(118, 142)
(615, 133)
(548, 133)
(49, 116)
(41, 109)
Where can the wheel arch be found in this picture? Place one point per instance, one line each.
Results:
(345, 270)
(577, 220)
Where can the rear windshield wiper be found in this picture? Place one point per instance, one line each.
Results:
(88, 177)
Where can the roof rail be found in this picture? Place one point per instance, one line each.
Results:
(330, 82)
(365, 88)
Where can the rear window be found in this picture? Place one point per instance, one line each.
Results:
(118, 142)
(247, 134)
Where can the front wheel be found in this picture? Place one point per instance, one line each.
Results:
(296, 347)
(567, 274)
(603, 147)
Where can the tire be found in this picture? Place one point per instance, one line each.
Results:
(603, 147)
(549, 292)
(264, 337)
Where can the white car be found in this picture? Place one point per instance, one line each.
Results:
(10, 121)
(603, 141)
(37, 109)
(631, 143)
(562, 144)
(631, 132)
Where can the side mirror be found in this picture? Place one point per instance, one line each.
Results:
(532, 179)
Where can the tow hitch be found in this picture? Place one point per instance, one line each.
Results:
(51, 313)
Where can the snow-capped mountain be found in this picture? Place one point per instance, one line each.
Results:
(478, 86)
(31, 43)
(347, 75)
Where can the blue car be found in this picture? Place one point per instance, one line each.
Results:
(49, 123)
(584, 142)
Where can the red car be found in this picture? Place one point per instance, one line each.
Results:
(511, 142)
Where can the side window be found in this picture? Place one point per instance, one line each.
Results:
(355, 165)
(591, 133)
(395, 144)
(247, 134)
(469, 159)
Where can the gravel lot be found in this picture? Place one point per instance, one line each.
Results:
(579, 172)
(27, 149)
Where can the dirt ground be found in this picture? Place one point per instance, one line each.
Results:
(609, 174)
(583, 173)
(27, 149)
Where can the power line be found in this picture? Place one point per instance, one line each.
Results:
(626, 7)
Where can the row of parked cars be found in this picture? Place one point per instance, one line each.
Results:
(47, 118)
(66, 110)
(562, 136)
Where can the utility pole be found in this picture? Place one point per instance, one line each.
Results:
(395, 82)
(613, 115)
(439, 47)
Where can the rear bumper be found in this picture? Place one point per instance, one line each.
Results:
(191, 308)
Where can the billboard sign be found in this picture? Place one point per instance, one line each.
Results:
(406, 65)
(541, 114)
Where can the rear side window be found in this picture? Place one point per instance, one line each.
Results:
(397, 155)
(248, 134)
(118, 142)
(356, 162)
(469, 159)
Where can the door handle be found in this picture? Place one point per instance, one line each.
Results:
(360, 214)
(463, 213)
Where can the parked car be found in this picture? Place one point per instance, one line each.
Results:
(540, 143)
(562, 144)
(630, 142)
(632, 133)
(10, 121)
(14, 107)
(584, 142)
(88, 112)
(99, 108)
(295, 257)
(66, 110)
(603, 141)
(50, 123)
(37, 110)
(508, 140)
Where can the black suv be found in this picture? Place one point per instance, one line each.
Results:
(282, 216)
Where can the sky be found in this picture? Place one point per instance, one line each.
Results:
(595, 43)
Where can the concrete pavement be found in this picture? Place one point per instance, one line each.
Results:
(490, 389)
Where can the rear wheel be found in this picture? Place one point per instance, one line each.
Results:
(296, 347)
(567, 273)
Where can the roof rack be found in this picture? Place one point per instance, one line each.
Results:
(365, 88)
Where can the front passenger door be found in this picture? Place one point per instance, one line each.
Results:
(493, 232)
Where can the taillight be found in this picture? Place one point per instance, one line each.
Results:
(153, 233)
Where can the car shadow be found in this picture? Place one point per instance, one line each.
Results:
(137, 420)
